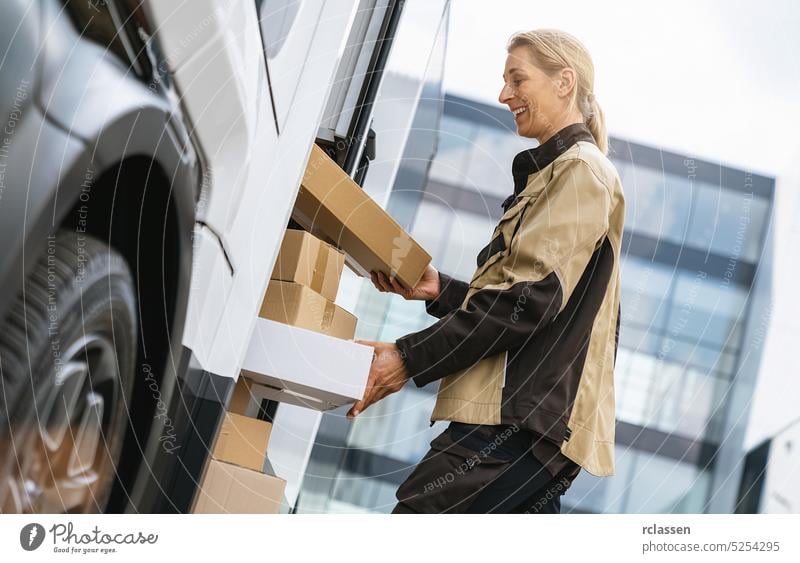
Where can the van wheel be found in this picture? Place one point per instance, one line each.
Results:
(67, 361)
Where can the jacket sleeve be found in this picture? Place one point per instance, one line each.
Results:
(451, 296)
(555, 240)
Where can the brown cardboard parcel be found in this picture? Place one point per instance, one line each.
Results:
(243, 401)
(297, 305)
(232, 489)
(306, 260)
(242, 441)
(332, 206)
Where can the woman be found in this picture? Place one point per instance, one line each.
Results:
(526, 349)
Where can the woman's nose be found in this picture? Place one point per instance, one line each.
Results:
(505, 94)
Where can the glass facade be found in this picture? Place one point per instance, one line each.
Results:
(693, 241)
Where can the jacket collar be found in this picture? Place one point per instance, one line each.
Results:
(533, 160)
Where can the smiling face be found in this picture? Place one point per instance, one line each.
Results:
(538, 101)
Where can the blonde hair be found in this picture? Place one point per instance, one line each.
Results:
(554, 50)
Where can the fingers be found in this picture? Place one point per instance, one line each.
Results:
(363, 404)
(366, 399)
(398, 288)
(384, 284)
(384, 281)
(376, 281)
(356, 409)
(359, 406)
(382, 381)
(373, 394)
(387, 285)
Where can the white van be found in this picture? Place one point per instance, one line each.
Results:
(150, 155)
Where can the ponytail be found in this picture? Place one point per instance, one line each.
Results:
(596, 122)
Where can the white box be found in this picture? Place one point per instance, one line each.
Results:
(306, 368)
(294, 430)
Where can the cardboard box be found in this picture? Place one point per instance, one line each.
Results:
(242, 441)
(243, 400)
(297, 305)
(333, 207)
(306, 260)
(230, 489)
(293, 433)
(322, 370)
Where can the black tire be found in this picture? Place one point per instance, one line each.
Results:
(67, 363)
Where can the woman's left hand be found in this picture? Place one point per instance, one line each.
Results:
(387, 375)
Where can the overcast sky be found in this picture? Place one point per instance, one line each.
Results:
(719, 80)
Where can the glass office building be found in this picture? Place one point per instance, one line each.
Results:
(693, 259)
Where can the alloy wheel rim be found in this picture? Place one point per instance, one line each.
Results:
(61, 456)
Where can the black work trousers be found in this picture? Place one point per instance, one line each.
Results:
(481, 469)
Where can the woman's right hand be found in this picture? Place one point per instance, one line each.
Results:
(426, 289)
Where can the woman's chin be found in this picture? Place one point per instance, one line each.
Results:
(523, 130)
(524, 125)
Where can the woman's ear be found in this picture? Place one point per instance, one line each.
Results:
(566, 82)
